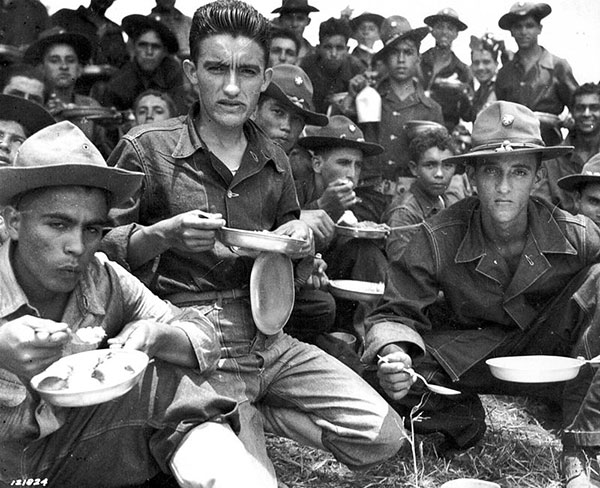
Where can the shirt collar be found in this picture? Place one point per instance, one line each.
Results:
(386, 91)
(12, 296)
(543, 228)
(426, 201)
(261, 149)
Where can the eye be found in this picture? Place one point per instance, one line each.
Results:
(248, 71)
(94, 230)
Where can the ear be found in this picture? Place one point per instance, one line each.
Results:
(540, 175)
(268, 78)
(317, 163)
(413, 167)
(470, 172)
(12, 220)
(191, 73)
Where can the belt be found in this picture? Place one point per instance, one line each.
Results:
(206, 296)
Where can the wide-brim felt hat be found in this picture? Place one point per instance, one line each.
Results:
(294, 6)
(523, 9)
(61, 155)
(366, 17)
(134, 25)
(292, 87)
(397, 28)
(505, 129)
(58, 35)
(590, 173)
(340, 132)
(30, 115)
(449, 15)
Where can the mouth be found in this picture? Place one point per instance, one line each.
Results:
(231, 104)
(5, 160)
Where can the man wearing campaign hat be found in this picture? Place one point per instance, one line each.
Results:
(53, 284)
(585, 188)
(339, 150)
(61, 56)
(152, 67)
(440, 64)
(535, 77)
(366, 30)
(294, 15)
(19, 119)
(518, 277)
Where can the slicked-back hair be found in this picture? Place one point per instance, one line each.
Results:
(430, 138)
(229, 17)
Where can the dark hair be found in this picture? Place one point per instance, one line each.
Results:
(162, 95)
(229, 17)
(335, 27)
(430, 138)
(25, 70)
(285, 33)
(585, 89)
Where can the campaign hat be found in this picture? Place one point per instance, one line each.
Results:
(590, 173)
(520, 10)
(30, 115)
(58, 35)
(447, 14)
(61, 155)
(366, 17)
(134, 25)
(505, 129)
(292, 87)
(340, 132)
(397, 28)
(294, 6)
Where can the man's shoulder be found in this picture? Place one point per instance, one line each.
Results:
(156, 131)
(457, 215)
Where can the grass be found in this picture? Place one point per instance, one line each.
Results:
(520, 449)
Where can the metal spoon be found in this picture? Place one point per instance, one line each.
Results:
(440, 390)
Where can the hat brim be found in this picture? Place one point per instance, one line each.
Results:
(283, 10)
(310, 117)
(417, 35)
(574, 182)
(539, 11)
(546, 153)
(120, 183)
(81, 44)
(366, 17)
(432, 19)
(134, 24)
(317, 142)
(30, 115)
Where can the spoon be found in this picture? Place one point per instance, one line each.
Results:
(440, 390)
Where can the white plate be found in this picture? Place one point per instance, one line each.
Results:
(260, 240)
(82, 366)
(535, 369)
(365, 291)
(469, 483)
(271, 291)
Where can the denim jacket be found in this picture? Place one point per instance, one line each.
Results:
(106, 296)
(181, 174)
(483, 303)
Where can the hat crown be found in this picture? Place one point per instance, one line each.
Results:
(294, 82)
(592, 167)
(295, 6)
(504, 123)
(58, 144)
(448, 12)
(393, 27)
(339, 127)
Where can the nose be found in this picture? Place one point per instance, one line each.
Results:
(4, 142)
(74, 243)
(232, 89)
(286, 123)
(503, 185)
(438, 172)
(587, 112)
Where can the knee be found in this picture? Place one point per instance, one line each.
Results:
(205, 457)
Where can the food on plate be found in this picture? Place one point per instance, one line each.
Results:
(111, 368)
(348, 219)
(90, 335)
